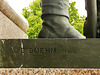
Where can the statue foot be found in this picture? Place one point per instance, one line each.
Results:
(55, 26)
(55, 20)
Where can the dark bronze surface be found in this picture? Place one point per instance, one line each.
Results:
(90, 27)
(55, 20)
(50, 53)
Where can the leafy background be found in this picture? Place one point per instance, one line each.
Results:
(33, 16)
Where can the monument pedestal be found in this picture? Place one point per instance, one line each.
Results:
(50, 53)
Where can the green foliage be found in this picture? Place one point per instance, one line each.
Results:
(74, 18)
(33, 15)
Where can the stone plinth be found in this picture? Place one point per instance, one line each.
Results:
(50, 53)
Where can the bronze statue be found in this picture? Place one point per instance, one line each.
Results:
(55, 20)
(92, 23)
(98, 19)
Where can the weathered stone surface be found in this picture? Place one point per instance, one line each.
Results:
(48, 71)
(9, 30)
(50, 53)
(19, 20)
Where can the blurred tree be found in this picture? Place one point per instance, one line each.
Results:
(74, 18)
(33, 15)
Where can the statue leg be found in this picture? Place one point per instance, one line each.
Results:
(98, 18)
(55, 20)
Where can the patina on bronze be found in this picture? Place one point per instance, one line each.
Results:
(50, 53)
(90, 26)
(98, 18)
(55, 20)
